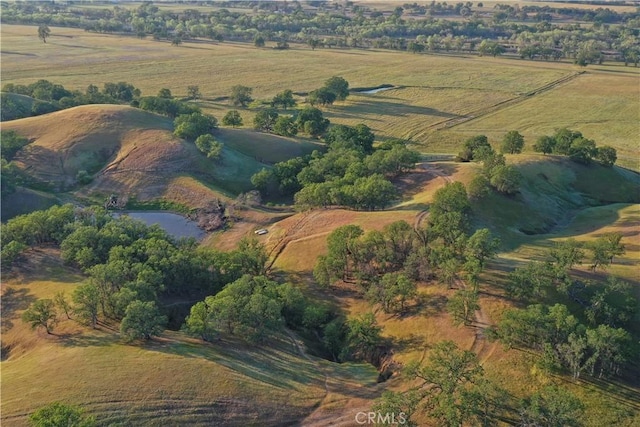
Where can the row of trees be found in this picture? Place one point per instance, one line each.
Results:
(534, 33)
(571, 143)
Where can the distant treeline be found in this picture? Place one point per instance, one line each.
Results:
(528, 31)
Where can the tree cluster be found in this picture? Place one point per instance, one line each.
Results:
(571, 143)
(452, 390)
(198, 128)
(334, 89)
(593, 339)
(495, 172)
(130, 267)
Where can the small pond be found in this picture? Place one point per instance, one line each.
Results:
(174, 224)
(376, 90)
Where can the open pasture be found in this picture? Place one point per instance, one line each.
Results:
(431, 89)
(601, 103)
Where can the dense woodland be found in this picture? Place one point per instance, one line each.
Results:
(533, 32)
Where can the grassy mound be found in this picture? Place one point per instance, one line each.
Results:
(133, 153)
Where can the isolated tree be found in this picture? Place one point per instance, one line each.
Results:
(142, 320)
(606, 155)
(446, 380)
(339, 86)
(43, 32)
(41, 313)
(481, 246)
(284, 99)
(232, 118)
(544, 145)
(240, 95)
(86, 304)
(313, 43)
(58, 414)
(193, 92)
(512, 143)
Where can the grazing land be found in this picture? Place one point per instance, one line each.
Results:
(310, 368)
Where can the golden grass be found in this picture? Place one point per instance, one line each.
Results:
(602, 104)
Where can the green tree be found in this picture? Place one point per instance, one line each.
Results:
(446, 379)
(232, 118)
(11, 143)
(265, 120)
(606, 155)
(582, 150)
(311, 121)
(142, 320)
(604, 249)
(58, 414)
(479, 187)
(60, 300)
(258, 41)
(610, 347)
(339, 86)
(322, 96)
(193, 92)
(544, 144)
(191, 126)
(199, 321)
(481, 246)
(165, 93)
(564, 139)
(552, 407)
(240, 95)
(284, 99)
(285, 126)
(506, 179)
(86, 304)
(43, 32)
(462, 306)
(41, 314)
(512, 143)
(362, 338)
(176, 41)
(402, 405)
(475, 148)
(566, 254)
(208, 145)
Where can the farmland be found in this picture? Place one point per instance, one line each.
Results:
(434, 101)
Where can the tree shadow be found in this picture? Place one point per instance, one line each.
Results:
(14, 300)
(395, 109)
(409, 343)
(434, 305)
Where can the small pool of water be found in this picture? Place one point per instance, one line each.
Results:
(380, 89)
(174, 224)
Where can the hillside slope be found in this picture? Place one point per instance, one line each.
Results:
(128, 151)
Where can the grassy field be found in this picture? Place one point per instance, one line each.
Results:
(431, 90)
